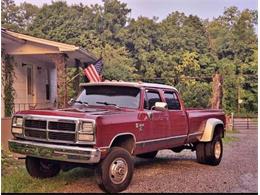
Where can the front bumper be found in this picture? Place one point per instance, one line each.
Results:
(55, 152)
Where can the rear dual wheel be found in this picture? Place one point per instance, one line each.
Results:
(210, 152)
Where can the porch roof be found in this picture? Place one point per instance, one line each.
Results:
(21, 44)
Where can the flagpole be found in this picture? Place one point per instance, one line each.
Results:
(73, 78)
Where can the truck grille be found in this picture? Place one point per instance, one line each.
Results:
(56, 131)
(62, 126)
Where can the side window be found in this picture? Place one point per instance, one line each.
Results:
(172, 101)
(151, 98)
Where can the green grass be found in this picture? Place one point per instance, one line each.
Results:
(234, 131)
(16, 179)
(20, 181)
(229, 138)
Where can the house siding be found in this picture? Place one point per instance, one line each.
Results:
(39, 81)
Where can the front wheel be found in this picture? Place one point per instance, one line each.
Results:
(115, 172)
(41, 168)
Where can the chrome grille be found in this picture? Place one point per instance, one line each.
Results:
(35, 133)
(36, 124)
(61, 126)
(50, 130)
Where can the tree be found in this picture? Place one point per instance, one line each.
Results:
(17, 18)
(9, 15)
(117, 64)
(181, 50)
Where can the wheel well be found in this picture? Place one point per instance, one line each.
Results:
(219, 130)
(125, 141)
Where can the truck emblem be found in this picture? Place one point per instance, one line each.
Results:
(140, 126)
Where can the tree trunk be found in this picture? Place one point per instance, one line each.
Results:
(217, 92)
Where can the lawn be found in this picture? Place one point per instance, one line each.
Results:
(16, 179)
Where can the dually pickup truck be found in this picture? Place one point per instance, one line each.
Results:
(108, 124)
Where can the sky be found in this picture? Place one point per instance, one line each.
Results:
(162, 8)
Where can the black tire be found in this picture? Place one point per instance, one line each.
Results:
(200, 153)
(110, 173)
(214, 151)
(41, 168)
(148, 155)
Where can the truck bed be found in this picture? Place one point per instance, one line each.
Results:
(197, 118)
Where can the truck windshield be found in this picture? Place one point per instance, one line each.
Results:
(119, 96)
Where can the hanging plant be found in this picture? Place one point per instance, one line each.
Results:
(7, 83)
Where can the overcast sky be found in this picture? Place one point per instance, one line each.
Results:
(161, 8)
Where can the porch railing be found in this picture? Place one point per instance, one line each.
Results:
(32, 106)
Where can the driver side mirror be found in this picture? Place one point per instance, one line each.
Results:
(160, 106)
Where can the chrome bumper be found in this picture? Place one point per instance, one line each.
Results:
(55, 152)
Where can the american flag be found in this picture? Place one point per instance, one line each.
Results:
(92, 72)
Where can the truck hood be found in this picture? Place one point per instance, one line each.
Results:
(77, 112)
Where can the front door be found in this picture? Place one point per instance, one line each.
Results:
(156, 124)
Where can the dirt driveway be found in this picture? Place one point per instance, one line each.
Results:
(172, 172)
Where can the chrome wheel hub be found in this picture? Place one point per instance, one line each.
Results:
(217, 150)
(118, 170)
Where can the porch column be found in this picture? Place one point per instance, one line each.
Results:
(77, 79)
(60, 62)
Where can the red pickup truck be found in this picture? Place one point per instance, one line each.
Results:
(108, 124)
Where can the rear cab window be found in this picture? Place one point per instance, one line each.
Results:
(172, 100)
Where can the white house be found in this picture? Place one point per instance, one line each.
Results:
(38, 64)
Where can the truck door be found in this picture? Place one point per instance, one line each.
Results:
(177, 115)
(158, 120)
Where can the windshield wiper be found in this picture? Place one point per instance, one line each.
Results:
(108, 104)
(80, 102)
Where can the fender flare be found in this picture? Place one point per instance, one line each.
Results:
(123, 134)
(209, 129)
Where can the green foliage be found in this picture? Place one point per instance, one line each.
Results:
(7, 81)
(117, 63)
(195, 94)
(15, 17)
(180, 50)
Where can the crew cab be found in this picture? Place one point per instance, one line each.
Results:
(108, 124)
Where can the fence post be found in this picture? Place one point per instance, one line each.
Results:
(232, 119)
(247, 122)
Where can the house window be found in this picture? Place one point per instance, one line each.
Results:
(47, 92)
(29, 81)
(47, 86)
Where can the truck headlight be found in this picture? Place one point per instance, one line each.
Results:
(17, 121)
(86, 137)
(17, 125)
(86, 132)
(87, 127)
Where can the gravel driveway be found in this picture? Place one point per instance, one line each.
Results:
(179, 172)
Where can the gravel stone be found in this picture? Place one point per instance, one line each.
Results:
(179, 172)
